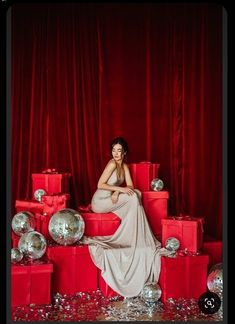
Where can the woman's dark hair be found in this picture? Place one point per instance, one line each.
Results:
(121, 141)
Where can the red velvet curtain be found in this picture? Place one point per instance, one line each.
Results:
(85, 73)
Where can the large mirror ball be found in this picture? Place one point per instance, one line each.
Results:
(33, 245)
(66, 226)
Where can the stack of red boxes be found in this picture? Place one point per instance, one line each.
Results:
(31, 281)
(155, 203)
(185, 275)
(56, 186)
(73, 269)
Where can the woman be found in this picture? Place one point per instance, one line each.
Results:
(131, 256)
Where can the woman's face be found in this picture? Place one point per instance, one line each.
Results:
(118, 152)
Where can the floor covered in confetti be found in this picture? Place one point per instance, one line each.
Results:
(93, 306)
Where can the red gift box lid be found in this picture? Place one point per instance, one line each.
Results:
(31, 268)
(32, 203)
(156, 194)
(201, 258)
(182, 219)
(67, 250)
(42, 175)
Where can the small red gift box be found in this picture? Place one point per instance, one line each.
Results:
(188, 230)
(52, 183)
(100, 224)
(29, 205)
(53, 203)
(74, 270)
(215, 250)
(31, 284)
(183, 276)
(143, 173)
(104, 287)
(155, 204)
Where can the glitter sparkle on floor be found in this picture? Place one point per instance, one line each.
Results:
(93, 306)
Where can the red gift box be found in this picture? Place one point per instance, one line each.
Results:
(52, 183)
(99, 224)
(155, 204)
(74, 270)
(143, 173)
(214, 249)
(31, 284)
(104, 287)
(183, 276)
(53, 203)
(29, 205)
(188, 231)
(14, 240)
(49, 204)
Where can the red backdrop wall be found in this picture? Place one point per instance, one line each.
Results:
(85, 73)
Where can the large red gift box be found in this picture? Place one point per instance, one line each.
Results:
(155, 204)
(215, 251)
(143, 173)
(74, 270)
(100, 224)
(188, 231)
(29, 205)
(31, 284)
(104, 287)
(52, 183)
(183, 276)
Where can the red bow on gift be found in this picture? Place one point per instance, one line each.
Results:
(85, 208)
(51, 171)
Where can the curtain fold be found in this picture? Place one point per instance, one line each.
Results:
(152, 73)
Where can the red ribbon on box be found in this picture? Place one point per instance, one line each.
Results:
(184, 217)
(50, 171)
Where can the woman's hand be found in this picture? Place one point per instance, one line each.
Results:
(114, 197)
(127, 190)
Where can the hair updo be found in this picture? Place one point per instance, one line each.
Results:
(121, 141)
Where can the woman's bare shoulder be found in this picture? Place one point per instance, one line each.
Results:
(111, 164)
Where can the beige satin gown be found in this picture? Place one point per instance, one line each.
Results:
(131, 256)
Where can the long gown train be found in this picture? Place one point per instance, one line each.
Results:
(131, 256)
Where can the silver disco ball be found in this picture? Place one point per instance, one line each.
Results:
(172, 244)
(23, 222)
(33, 245)
(215, 279)
(38, 194)
(66, 226)
(151, 293)
(157, 184)
(16, 255)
